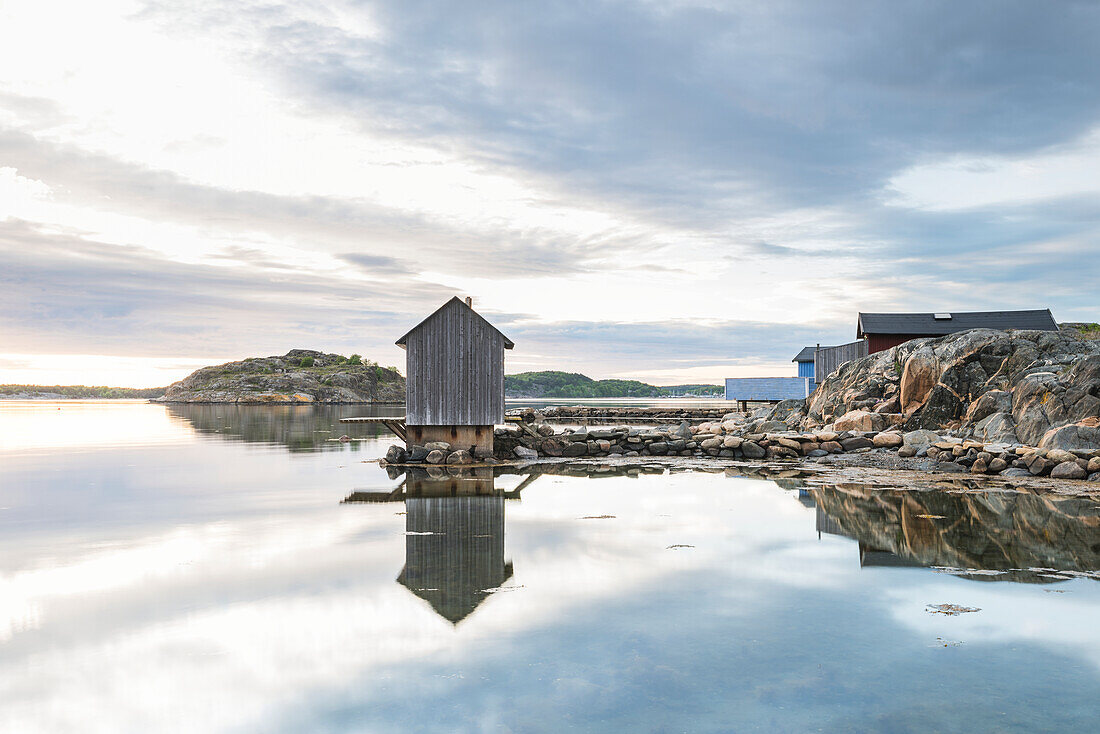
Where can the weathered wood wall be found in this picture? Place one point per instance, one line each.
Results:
(827, 360)
(455, 367)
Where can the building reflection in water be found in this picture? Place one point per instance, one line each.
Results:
(454, 544)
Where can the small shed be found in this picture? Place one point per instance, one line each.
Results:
(805, 360)
(885, 330)
(454, 366)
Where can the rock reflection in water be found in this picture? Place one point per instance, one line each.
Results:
(1020, 536)
(297, 427)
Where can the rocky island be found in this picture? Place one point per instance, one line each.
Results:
(299, 376)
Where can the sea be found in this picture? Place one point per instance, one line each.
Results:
(221, 568)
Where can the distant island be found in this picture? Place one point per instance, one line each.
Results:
(554, 384)
(77, 392)
(299, 376)
(307, 376)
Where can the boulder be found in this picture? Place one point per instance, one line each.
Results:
(920, 438)
(732, 442)
(417, 454)
(997, 465)
(522, 452)
(752, 450)
(711, 443)
(1094, 464)
(437, 446)
(994, 401)
(396, 455)
(575, 448)
(552, 447)
(918, 377)
(435, 456)
(460, 457)
(998, 427)
(1068, 470)
(860, 420)
(1073, 437)
(888, 440)
(833, 447)
(857, 442)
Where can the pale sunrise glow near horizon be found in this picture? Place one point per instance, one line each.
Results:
(670, 191)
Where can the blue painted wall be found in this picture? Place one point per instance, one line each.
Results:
(767, 388)
(805, 369)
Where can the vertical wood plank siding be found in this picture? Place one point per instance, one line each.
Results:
(455, 366)
(827, 360)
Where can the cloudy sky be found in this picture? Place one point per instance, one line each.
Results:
(673, 191)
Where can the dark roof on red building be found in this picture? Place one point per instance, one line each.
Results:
(937, 324)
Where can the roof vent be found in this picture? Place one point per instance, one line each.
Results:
(941, 316)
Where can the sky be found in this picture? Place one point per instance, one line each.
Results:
(667, 191)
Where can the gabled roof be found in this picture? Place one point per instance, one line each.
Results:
(508, 344)
(807, 354)
(927, 324)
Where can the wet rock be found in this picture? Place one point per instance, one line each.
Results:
(522, 452)
(818, 453)
(1094, 464)
(1067, 470)
(435, 456)
(833, 447)
(437, 446)
(857, 442)
(460, 457)
(417, 454)
(711, 443)
(660, 448)
(576, 448)
(551, 447)
(997, 465)
(732, 442)
(907, 451)
(396, 455)
(752, 450)
(978, 467)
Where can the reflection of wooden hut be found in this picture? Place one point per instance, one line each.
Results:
(454, 566)
(455, 377)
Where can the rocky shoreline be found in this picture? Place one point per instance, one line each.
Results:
(981, 402)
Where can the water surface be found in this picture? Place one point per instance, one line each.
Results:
(226, 569)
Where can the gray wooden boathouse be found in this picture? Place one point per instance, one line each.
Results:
(454, 388)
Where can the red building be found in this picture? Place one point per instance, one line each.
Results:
(885, 330)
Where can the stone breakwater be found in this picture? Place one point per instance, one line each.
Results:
(742, 439)
(580, 413)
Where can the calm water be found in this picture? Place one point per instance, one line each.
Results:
(219, 569)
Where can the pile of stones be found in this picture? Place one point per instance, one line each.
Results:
(438, 452)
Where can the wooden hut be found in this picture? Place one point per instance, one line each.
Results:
(454, 368)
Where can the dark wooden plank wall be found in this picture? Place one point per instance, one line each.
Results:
(455, 367)
(827, 360)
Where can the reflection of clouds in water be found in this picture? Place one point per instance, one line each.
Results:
(53, 427)
(273, 602)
